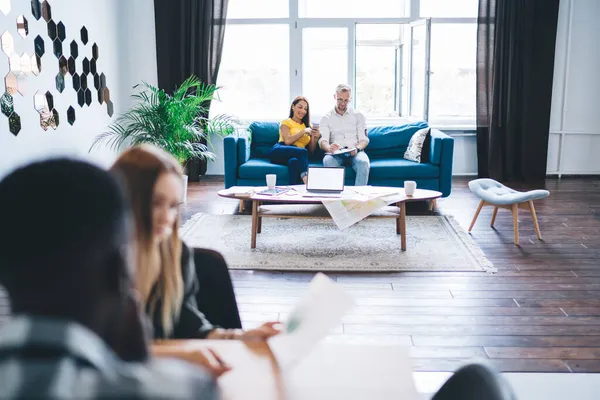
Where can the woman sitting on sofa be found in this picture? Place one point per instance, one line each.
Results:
(297, 138)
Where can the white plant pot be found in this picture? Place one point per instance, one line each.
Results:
(185, 185)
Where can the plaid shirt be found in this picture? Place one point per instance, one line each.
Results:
(50, 359)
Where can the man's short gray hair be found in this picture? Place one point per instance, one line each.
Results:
(343, 88)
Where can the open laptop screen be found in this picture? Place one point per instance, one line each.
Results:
(325, 178)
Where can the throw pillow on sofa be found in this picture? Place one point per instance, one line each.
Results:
(416, 146)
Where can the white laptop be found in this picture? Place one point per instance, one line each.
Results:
(325, 182)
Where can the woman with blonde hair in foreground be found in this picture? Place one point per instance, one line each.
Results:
(165, 275)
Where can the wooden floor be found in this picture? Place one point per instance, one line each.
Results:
(540, 312)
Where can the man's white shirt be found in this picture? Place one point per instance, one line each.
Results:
(345, 130)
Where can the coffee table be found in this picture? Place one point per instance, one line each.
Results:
(294, 205)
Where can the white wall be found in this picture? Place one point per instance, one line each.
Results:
(575, 120)
(124, 33)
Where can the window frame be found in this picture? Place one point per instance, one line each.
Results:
(296, 24)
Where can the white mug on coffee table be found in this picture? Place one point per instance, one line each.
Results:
(271, 181)
(410, 187)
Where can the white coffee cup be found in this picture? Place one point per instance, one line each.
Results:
(271, 180)
(410, 187)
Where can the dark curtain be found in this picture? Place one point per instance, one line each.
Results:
(189, 41)
(515, 67)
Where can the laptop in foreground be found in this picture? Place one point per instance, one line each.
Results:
(325, 182)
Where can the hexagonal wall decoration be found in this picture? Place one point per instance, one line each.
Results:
(49, 100)
(46, 11)
(76, 82)
(8, 43)
(62, 65)
(10, 83)
(93, 68)
(40, 103)
(71, 115)
(38, 44)
(14, 63)
(86, 65)
(81, 98)
(84, 84)
(57, 46)
(22, 26)
(84, 35)
(74, 49)
(62, 31)
(95, 54)
(25, 63)
(5, 6)
(110, 109)
(71, 65)
(36, 9)
(22, 83)
(97, 81)
(88, 97)
(7, 104)
(101, 95)
(14, 123)
(60, 82)
(36, 64)
(55, 119)
(52, 31)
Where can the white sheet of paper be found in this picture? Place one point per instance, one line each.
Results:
(311, 320)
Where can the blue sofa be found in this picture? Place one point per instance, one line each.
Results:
(247, 159)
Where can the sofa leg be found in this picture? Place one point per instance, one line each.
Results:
(515, 214)
(481, 203)
(494, 216)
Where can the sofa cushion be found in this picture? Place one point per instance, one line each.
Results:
(399, 168)
(263, 136)
(391, 141)
(258, 168)
(416, 145)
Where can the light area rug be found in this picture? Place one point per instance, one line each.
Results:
(434, 244)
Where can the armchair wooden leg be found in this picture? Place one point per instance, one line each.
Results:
(515, 213)
(481, 203)
(494, 216)
(535, 220)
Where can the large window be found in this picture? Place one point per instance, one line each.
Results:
(405, 59)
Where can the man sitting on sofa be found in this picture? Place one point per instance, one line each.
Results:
(345, 128)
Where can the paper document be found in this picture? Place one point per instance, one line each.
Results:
(343, 150)
(311, 320)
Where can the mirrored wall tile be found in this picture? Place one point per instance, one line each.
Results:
(8, 43)
(84, 35)
(5, 6)
(55, 121)
(95, 54)
(14, 123)
(26, 63)
(60, 82)
(71, 65)
(93, 69)
(36, 64)
(10, 83)
(39, 45)
(102, 80)
(86, 66)
(46, 11)
(74, 50)
(49, 100)
(101, 95)
(62, 31)
(76, 82)
(62, 65)
(81, 98)
(6, 104)
(110, 110)
(97, 81)
(22, 83)
(106, 95)
(39, 102)
(45, 119)
(14, 63)
(36, 9)
(52, 32)
(57, 46)
(84, 83)
(88, 97)
(71, 115)
(22, 26)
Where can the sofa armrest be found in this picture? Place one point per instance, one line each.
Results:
(442, 154)
(243, 150)
(230, 160)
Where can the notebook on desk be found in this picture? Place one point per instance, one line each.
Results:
(325, 182)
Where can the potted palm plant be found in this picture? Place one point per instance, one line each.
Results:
(177, 123)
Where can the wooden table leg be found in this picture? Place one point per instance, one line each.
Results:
(259, 228)
(398, 227)
(403, 226)
(515, 214)
(254, 223)
(242, 206)
(433, 205)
